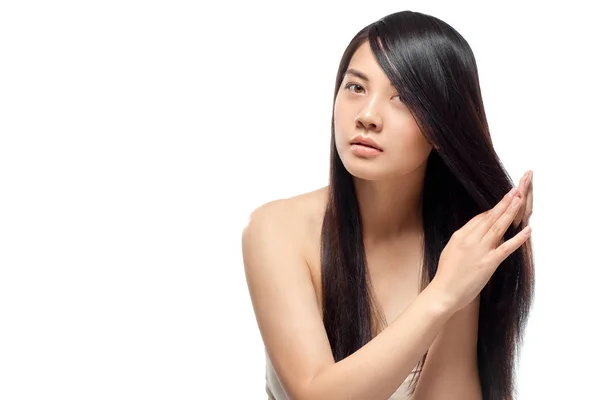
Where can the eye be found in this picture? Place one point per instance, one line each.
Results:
(349, 85)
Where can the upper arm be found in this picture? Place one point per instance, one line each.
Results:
(450, 369)
(283, 297)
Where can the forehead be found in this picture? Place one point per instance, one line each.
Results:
(363, 60)
(363, 57)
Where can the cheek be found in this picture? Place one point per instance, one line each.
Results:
(417, 140)
(413, 135)
(410, 141)
(341, 119)
(338, 111)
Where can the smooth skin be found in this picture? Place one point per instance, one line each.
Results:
(289, 318)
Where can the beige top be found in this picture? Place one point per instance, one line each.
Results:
(276, 392)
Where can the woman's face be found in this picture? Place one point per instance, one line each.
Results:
(367, 105)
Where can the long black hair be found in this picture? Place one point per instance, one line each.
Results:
(434, 70)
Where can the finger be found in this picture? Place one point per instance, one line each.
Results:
(507, 248)
(529, 201)
(522, 191)
(523, 213)
(467, 228)
(499, 227)
(485, 221)
(476, 220)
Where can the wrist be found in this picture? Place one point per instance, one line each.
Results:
(441, 301)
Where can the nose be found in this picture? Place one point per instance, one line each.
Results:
(369, 119)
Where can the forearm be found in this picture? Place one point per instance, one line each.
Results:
(377, 369)
(450, 371)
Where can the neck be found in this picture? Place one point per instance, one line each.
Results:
(391, 209)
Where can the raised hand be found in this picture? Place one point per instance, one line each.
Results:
(476, 250)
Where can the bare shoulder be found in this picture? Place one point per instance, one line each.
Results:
(298, 217)
(281, 289)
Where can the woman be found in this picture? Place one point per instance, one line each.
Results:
(410, 275)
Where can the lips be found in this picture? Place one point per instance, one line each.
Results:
(366, 141)
(366, 145)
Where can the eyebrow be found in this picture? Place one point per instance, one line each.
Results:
(361, 75)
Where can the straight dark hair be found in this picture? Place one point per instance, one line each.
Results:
(434, 70)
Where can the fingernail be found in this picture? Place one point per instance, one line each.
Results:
(512, 192)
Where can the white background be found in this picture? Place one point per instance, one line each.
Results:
(137, 137)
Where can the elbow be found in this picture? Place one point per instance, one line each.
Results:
(308, 391)
(313, 391)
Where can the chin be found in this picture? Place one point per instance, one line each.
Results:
(370, 169)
